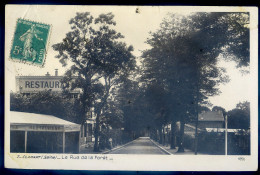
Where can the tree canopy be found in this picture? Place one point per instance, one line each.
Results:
(184, 54)
(99, 60)
(47, 102)
(239, 117)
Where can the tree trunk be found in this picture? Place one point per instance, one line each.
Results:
(181, 148)
(156, 135)
(172, 140)
(163, 139)
(96, 145)
(100, 107)
(197, 116)
(160, 134)
(84, 111)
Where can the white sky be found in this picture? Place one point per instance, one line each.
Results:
(133, 26)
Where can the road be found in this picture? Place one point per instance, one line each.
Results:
(142, 145)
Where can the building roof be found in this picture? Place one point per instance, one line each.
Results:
(211, 116)
(32, 118)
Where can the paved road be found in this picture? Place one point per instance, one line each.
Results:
(142, 145)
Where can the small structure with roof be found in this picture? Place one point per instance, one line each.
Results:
(38, 133)
(28, 85)
(211, 119)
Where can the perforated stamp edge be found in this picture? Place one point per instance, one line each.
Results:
(46, 46)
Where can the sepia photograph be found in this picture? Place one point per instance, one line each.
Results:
(119, 84)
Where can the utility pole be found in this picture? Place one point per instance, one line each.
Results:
(197, 113)
(226, 134)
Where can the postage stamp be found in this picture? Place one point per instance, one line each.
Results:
(30, 42)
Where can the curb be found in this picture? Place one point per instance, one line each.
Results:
(164, 150)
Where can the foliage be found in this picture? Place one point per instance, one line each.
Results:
(46, 102)
(203, 108)
(214, 143)
(99, 60)
(183, 59)
(219, 108)
(239, 118)
(188, 142)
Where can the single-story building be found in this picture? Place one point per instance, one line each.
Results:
(38, 133)
(211, 119)
(28, 85)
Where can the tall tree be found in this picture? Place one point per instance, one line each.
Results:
(97, 57)
(185, 51)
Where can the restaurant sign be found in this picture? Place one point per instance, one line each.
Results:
(30, 84)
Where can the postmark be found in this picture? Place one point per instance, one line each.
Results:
(30, 42)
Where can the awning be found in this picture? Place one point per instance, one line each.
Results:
(21, 121)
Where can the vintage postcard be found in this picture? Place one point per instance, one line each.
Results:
(164, 88)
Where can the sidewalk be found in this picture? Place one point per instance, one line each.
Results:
(87, 148)
(174, 151)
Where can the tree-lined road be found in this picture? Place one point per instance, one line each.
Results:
(142, 145)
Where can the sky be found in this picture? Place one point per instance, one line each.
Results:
(134, 26)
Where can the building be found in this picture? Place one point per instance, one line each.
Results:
(28, 85)
(32, 84)
(206, 119)
(87, 129)
(211, 119)
(38, 133)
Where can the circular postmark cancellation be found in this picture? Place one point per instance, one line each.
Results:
(30, 41)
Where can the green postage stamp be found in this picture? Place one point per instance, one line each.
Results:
(30, 42)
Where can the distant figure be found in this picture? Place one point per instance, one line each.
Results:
(27, 37)
(110, 140)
